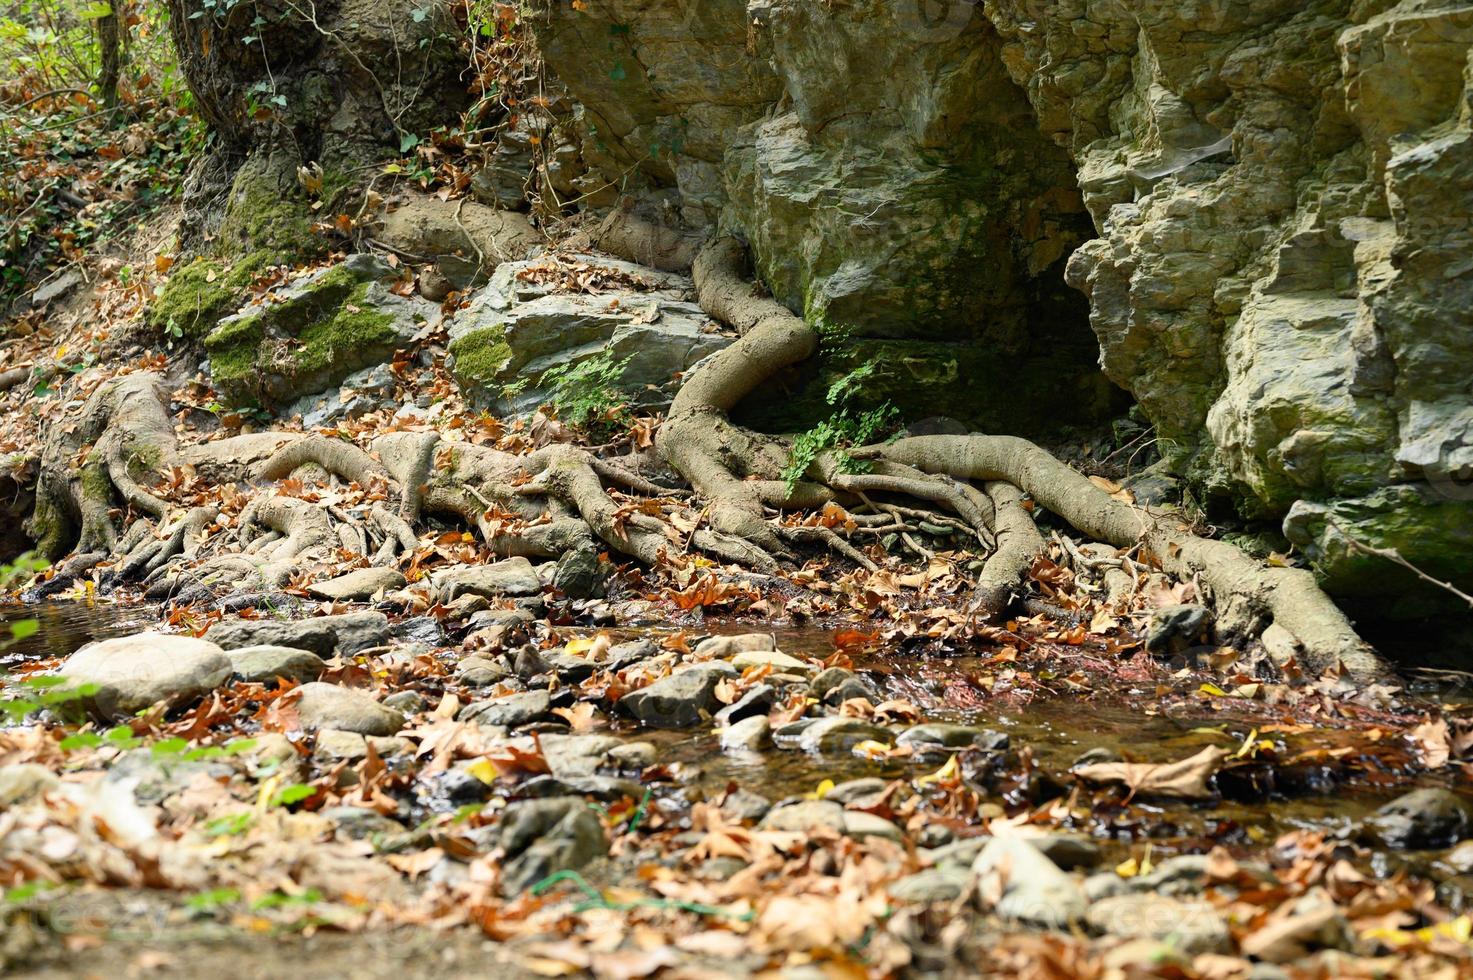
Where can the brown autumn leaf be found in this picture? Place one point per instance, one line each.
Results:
(1188, 779)
(580, 717)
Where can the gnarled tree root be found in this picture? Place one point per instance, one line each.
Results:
(1249, 595)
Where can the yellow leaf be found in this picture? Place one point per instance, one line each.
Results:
(947, 773)
(1128, 868)
(1212, 690)
(871, 749)
(483, 770)
(821, 790)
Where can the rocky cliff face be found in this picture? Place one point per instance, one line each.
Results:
(1266, 205)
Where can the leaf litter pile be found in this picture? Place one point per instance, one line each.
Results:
(706, 771)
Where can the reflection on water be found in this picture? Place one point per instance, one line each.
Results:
(65, 626)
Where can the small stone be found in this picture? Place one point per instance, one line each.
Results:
(959, 854)
(1192, 927)
(1032, 888)
(840, 734)
(633, 755)
(805, 816)
(850, 689)
(322, 706)
(748, 735)
(540, 837)
(745, 806)
(680, 700)
(408, 702)
(1175, 628)
(938, 735)
(1069, 851)
(857, 791)
(512, 577)
(360, 823)
(757, 701)
(24, 781)
(1421, 819)
(576, 755)
(726, 647)
(134, 672)
(264, 664)
(828, 679)
(340, 746)
(932, 885)
(509, 711)
(778, 661)
(325, 636)
(359, 584)
(580, 575)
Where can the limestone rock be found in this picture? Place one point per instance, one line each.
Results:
(680, 700)
(313, 332)
(325, 636)
(1192, 927)
(543, 836)
(359, 584)
(747, 735)
(1032, 888)
(133, 672)
(512, 577)
(264, 664)
(512, 333)
(330, 706)
(1423, 818)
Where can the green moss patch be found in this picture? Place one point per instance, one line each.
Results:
(480, 356)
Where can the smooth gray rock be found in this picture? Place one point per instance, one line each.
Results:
(939, 735)
(931, 885)
(512, 577)
(264, 664)
(756, 701)
(23, 781)
(325, 636)
(1192, 927)
(683, 699)
(360, 823)
(580, 575)
(133, 672)
(330, 706)
(839, 734)
(1421, 819)
(542, 836)
(1033, 889)
(747, 735)
(1175, 628)
(805, 816)
(481, 671)
(359, 584)
(508, 711)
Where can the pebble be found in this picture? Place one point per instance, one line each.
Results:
(931, 885)
(1032, 888)
(945, 736)
(264, 664)
(1421, 819)
(359, 584)
(1192, 927)
(757, 701)
(680, 700)
(840, 734)
(778, 661)
(510, 710)
(726, 647)
(512, 577)
(322, 706)
(133, 672)
(325, 636)
(806, 816)
(748, 735)
(340, 746)
(540, 837)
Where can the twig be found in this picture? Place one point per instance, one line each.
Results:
(1394, 556)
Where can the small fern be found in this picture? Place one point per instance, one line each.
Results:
(586, 394)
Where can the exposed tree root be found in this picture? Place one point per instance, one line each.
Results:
(97, 475)
(1249, 595)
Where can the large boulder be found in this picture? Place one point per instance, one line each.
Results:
(535, 316)
(312, 333)
(325, 636)
(134, 672)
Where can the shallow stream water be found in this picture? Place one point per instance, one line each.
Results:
(1056, 729)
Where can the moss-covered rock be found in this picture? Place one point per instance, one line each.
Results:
(198, 295)
(479, 356)
(309, 335)
(1431, 529)
(267, 210)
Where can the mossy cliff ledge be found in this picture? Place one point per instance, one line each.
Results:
(1263, 207)
(308, 336)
